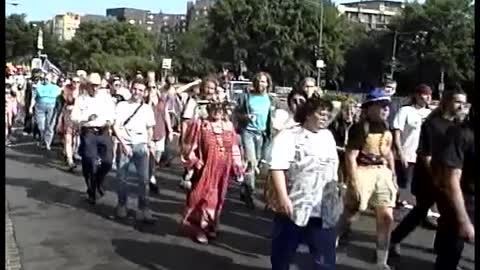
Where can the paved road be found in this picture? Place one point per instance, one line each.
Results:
(56, 229)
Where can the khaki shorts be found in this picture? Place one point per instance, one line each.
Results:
(375, 187)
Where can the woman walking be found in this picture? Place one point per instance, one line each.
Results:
(211, 150)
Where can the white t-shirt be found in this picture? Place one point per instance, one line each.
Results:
(101, 105)
(135, 131)
(282, 119)
(193, 111)
(409, 121)
(311, 160)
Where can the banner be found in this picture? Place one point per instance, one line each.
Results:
(49, 67)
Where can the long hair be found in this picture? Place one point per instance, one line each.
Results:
(256, 81)
(294, 93)
(205, 81)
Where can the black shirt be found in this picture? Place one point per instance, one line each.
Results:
(431, 143)
(459, 153)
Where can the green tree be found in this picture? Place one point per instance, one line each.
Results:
(445, 42)
(114, 46)
(277, 36)
(189, 58)
(20, 38)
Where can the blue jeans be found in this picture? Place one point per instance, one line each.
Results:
(43, 116)
(287, 236)
(140, 159)
(256, 148)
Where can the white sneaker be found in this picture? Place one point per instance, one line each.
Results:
(121, 211)
(153, 180)
(433, 214)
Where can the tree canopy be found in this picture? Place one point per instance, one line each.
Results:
(280, 37)
(277, 36)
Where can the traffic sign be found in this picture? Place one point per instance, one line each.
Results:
(36, 63)
(167, 63)
(320, 64)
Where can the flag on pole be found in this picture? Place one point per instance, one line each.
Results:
(49, 67)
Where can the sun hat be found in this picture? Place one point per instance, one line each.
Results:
(94, 78)
(377, 95)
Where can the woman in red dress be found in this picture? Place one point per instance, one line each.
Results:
(211, 150)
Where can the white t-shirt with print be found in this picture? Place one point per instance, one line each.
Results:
(409, 121)
(311, 161)
(135, 131)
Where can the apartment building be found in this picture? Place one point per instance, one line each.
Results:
(374, 14)
(153, 22)
(65, 25)
(197, 12)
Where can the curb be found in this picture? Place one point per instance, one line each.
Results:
(12, 254)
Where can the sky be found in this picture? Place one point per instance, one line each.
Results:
(47, 9)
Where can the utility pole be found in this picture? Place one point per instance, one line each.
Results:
(320, 40)
(394, 52)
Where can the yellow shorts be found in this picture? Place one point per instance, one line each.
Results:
(375, 187)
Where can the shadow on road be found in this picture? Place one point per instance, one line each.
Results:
(156, 255)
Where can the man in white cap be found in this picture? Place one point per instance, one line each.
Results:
(95, 113)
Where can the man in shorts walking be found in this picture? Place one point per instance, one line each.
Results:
(370, 172)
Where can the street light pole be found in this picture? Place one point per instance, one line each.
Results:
(394, 52)
(320, 40)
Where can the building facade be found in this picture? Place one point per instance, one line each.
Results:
(152, 22)
(95, 18)
(375, 15)
(197, 12)
(65, 25)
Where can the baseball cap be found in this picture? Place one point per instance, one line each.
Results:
(377, 95)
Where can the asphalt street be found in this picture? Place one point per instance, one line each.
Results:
(55, 228)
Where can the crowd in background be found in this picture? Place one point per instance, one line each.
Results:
(323, 164)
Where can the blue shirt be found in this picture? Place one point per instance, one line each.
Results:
(47, 93)
(259, 109)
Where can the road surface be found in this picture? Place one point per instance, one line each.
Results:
(55, 228)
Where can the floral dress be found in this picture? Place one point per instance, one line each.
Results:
(215, 146)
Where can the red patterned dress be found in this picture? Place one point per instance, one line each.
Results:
(211, 150)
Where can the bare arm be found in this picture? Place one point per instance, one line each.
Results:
(351, 166)
(397, 142)
(280, 183)
(187, 86)
(453, 193)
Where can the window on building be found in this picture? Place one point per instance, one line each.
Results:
(131, 22)
(165, 18)
(149, 28)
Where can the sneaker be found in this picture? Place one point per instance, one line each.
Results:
(121, 211)
(145, 216)
(153, 180)
(201, 238)
(187, 185)
(433, 214)
(395, 251)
